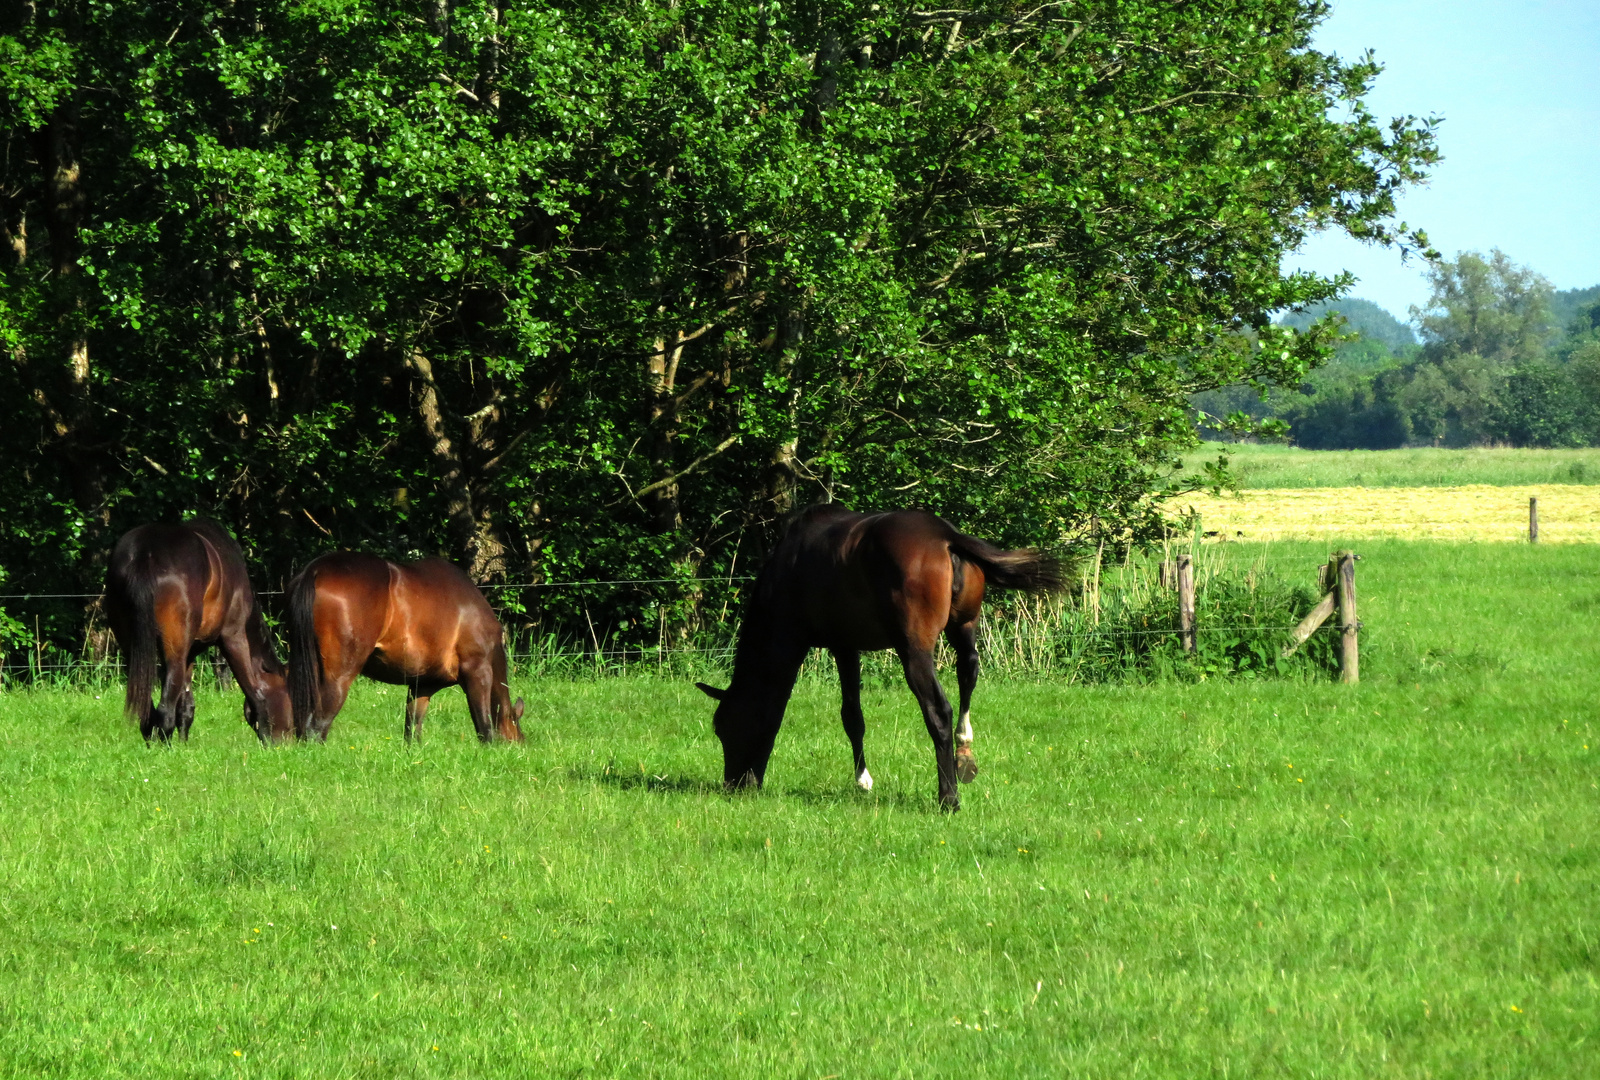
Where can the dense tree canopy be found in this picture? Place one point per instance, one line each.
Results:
(603, 289)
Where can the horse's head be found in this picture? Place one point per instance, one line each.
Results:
(274, 722)
(746, 728)
(507, 716)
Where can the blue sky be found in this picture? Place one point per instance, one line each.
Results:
(1519, 87)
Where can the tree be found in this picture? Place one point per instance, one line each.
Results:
(1490, 307)
(602, 290)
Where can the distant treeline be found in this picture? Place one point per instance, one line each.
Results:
(1503, 359)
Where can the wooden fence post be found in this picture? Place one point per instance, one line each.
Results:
(1186, 601)
(1533, 521)
(1349, 625)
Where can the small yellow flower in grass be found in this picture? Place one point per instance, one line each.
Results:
(1298, 780)
(1022, 850)
(486, 847)
(436, 1049)
(1515, 1009)
(238, 1053)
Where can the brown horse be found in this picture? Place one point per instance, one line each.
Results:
(171, 591)
(845, 582)
(421, 625)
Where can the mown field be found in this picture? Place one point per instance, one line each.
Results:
(1286, 493)
(1303, 879)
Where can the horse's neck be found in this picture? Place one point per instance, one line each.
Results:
(763, 663)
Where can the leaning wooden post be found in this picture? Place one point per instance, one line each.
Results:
(1533, 521)
(1186, 601)
(1349, 625)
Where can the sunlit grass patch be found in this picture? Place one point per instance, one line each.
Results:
(1270, 465)
(1170, 880)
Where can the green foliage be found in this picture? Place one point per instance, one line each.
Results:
(600, 291)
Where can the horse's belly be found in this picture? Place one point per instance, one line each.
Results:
(389, 667)
(858, 629)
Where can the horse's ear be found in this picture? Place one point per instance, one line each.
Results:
(712, 692)
(516, 710)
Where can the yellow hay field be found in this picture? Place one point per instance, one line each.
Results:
(1568, 513)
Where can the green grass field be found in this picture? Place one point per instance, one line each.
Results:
(1218, 880)
(1277, 466)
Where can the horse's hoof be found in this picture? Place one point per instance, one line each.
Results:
(950, 803)
(966, 766)
(864, 780)
(748, 782)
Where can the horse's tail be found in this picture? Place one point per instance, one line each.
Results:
(144, 651)
(305, 654)
(1026, 569)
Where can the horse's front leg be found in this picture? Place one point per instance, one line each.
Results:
(416, 711)
(923, 678)
(963, 640)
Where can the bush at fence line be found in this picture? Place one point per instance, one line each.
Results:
(1242, 618)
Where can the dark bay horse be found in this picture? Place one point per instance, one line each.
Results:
(172, 590)
(846, 582)
(421, 625)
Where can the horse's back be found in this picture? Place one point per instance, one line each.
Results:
(442, 596)
(419, 620)
(842, 579)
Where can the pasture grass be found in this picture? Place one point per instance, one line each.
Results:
(1223, 879)
(1274, 465)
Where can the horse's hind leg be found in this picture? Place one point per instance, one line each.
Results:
(150, 719)
(964, 640)
(175, 712)
(416, 712)
(923, 678)
(855, 725)
(331, 696)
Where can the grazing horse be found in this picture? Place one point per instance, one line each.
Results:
(845, 582)
(421, 625)
(171, 591)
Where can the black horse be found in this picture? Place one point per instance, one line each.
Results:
(173, 590)
(845, 582)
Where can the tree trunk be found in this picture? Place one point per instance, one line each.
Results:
(451, 473)
(783, 471)
(661, 418)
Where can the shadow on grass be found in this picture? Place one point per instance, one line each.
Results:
(846, 794)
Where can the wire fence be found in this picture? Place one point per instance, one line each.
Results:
(1031, 649)
(1115, 620)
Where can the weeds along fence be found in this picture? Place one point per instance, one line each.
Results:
(1116, 624)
